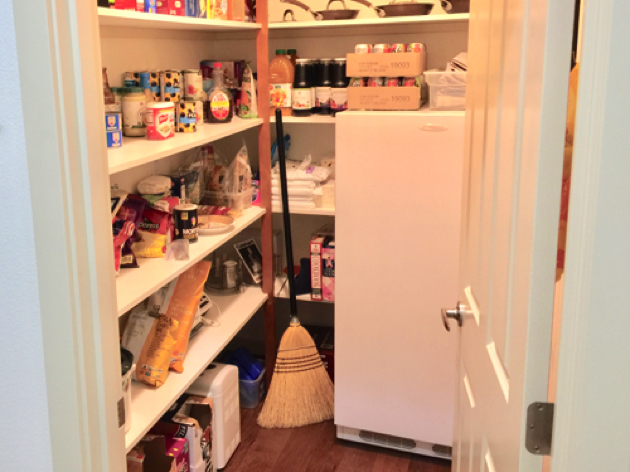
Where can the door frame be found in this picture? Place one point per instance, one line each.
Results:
(58, 47)
(592, 424)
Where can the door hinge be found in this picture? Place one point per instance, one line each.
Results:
(539, 428)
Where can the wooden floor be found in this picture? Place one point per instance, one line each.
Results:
(315, 449)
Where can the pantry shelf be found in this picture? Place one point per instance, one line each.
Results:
(281, 290)
(134, 19)
(313, 119)
(148, 404)
(134, 285)
(314, 211)
(138, 151)
(348, 27)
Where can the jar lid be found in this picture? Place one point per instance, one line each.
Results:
(185, 207)
(133, 90)
(302, 61)
(281, 52)
(340, 59)
(161, 105)
(189, 71)
(217, 65)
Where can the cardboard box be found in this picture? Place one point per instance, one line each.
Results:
(124, 4)
(218, 9)
(328, 272)
(383, 98)
(178, 449)
(317, 245)
(191, 418)
(171, 7)
(406, 64)
(197, 8)
(324, 339)
(149, 455)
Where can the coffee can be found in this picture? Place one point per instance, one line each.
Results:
(131, 79)
(363, 49)
(186, 116)
(170, 85)
(380, 48)
(186, 220)
(398, 47)
(154, 84)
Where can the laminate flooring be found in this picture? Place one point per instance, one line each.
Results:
(316, 449)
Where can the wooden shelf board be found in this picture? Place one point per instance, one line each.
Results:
(134, 19)
(148, 404)
(138, 151)
(134, 285)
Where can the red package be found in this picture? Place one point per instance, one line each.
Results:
(125, 4)
(152, 233)
(171, 7)
(121, 235)
(131, 210)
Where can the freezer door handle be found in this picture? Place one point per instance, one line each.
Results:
(455, 314)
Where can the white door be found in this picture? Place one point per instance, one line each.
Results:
(519, 66)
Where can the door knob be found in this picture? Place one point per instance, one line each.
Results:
(455, 314)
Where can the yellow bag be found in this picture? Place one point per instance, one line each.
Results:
(155, 357)
(183, 305)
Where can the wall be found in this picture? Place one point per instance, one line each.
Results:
(23, 393)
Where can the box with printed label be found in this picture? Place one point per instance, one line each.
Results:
(317, 244)
(197, 8)
(405, 64)
(150, 455)
(178, 449)
(383, 98)
(171, 7)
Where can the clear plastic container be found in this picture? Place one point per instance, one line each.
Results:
(447, 90)
(234, 201)
(251, 392)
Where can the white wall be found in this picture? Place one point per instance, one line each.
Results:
(23, 398)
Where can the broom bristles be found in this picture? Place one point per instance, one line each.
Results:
(301, 392)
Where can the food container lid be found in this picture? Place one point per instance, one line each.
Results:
(186, 207)
(281, 51)
(217, 65)
(161, 105)
(292, 51)
(118, 90)
(133, 90)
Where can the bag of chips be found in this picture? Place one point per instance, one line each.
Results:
(131, 210)
(152, 233)
(122, 232)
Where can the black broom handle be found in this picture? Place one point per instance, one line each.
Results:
(286, 215)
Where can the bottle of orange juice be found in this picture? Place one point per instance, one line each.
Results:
(280, 83)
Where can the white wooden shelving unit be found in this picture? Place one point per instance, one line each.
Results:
(148, 404)
(138, 151)
(134, 285)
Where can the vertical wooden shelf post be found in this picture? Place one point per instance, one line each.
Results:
(264, 159)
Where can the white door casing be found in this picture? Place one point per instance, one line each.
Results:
(519, 66)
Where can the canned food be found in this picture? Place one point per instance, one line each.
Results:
(112, 122)
(398, 47)
(145, 79)
(170, 85)
(193, 83)
(198, 109)
(357, 82)
(363, 49)
(160, 120)
(131, 79)
(416, 47)
(186, 220)
(392, 82)
(114, 139)
(376, 82)
(154, 84)
(409, 82)
(186, 119)
(380, 48)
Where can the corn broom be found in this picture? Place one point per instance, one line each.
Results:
(301, 392)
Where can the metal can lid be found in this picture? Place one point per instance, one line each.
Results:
(186, 207)
(161, 105)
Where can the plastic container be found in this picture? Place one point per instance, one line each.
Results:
(220, 382)
(281, 74)
(447, 90)
(160, 120)
(251, 392)
(235, 201)
(133, 108)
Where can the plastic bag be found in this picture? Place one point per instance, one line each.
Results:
(131, 210)
(152, 234)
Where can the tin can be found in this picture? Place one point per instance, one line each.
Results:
(114, 139)
(154, 85)
(186, 118)
(380, 48)
(358, 82)
(392, 82)
(198, 106)
(376, 82)
(416, 47)
(363, 49)
(112, 122)
(398, 47)
(131, 79)
(170, 85)
(193, 83)
(186, 219)
(409, 82)
(160, 120)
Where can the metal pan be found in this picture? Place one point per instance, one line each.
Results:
(327, 14)
(400, 9)
(288, 11)
(456, 6)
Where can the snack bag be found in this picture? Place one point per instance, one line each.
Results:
(122, 233)
(152, 233)
(131, 210)
(151, 338)
(183, 305)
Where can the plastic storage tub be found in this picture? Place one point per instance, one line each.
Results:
(447, 90)
(234, 201)
(251, 392)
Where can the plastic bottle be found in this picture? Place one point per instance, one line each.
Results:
(301, 100)
(339, 86)
(220, 108)
(292, 55)
(280, 83)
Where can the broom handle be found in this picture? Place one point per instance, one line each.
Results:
(286, 215)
